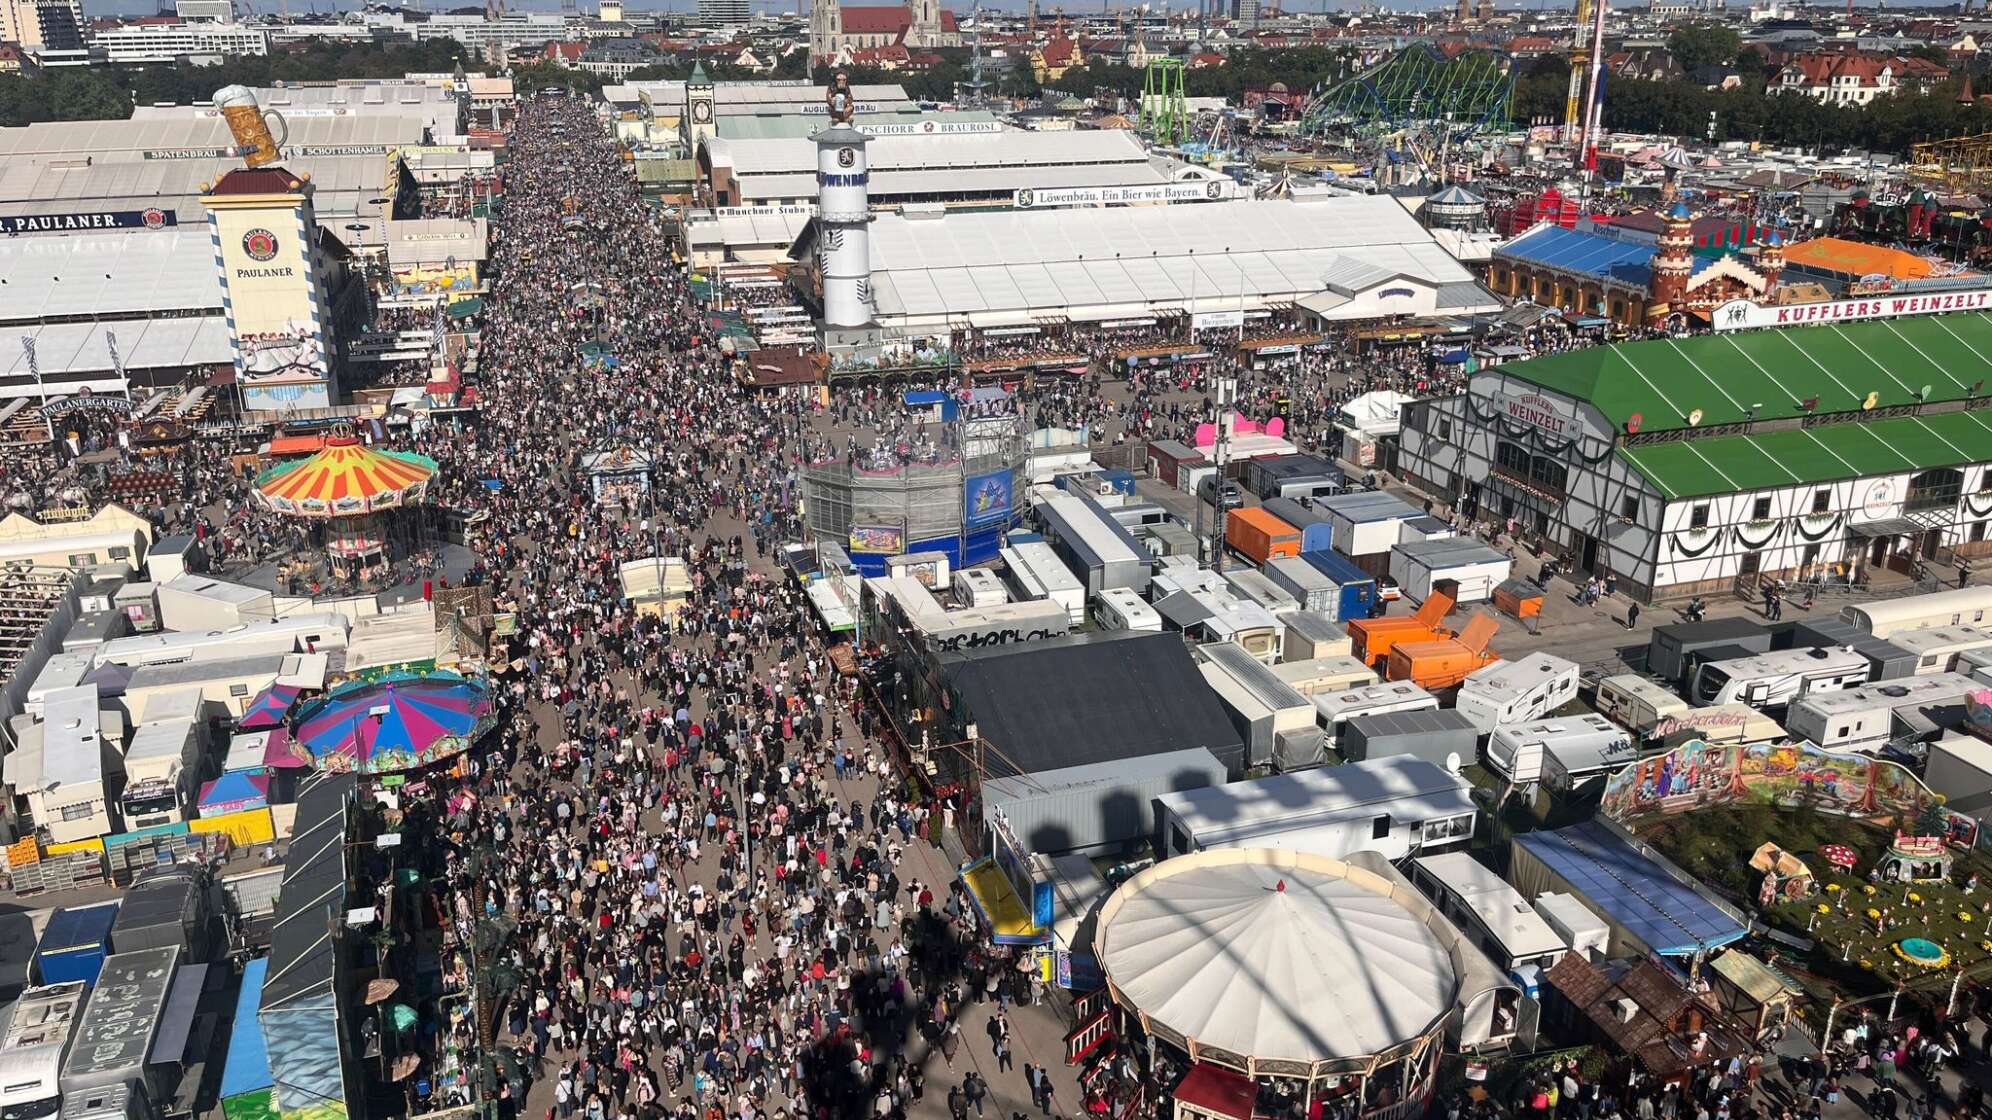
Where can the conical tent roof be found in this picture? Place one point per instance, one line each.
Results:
(346, 477)
(1274, 955)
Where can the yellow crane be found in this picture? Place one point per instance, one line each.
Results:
(1580, 63)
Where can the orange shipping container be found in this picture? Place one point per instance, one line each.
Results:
(1258, 536)
(1445, 662)
(1372, 638)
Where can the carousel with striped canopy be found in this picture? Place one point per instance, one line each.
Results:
(352, 488)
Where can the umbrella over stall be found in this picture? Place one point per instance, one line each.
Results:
(401, 723)
(267, 708)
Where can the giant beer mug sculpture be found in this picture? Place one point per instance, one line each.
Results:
(249, 124)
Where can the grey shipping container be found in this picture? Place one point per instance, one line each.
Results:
(1309, 585)
(1098, 807)
(113, 1041)
(1264, 477)
(1442, 737)
(1886, 660)
(1667, 652)
(167, 906)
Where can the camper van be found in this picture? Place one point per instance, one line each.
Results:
(1508, 692)
(1937, 648)
(1637, 703)
(1120, 608)
(1560, 753)
(1869, 718)
(1335, 709)
(1774, 680)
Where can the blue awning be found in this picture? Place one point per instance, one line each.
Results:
(248, 1067)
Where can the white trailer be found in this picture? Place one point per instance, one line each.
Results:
(1261, 705)
(163, 771)
(299, 632)
(1119, 608)
(32, 1051)
(1036, 572)
(1475, 567)
(1774, 680)
(1938, 648)
(1572, 748)
(1391, 806)
(1316, 675)
(1870, 717)
(1508, 692)
(198, 602)
(1965, 606)
(980, 587)
(1253, 587)
(1336, 709)
(1638, 703)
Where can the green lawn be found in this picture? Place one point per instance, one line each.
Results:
(1850, 958)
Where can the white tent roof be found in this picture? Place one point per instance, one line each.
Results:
(131, 272)
(1219, 255)
(1275, 955)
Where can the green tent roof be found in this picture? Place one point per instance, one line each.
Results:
(1804, 456)
(1725, 375)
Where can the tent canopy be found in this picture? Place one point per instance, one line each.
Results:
(1275, 955)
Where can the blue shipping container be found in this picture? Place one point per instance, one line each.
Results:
(1317, 534)
(74, 944)
(1358, 587)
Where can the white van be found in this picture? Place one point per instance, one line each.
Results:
(1516, 691)
(1638, 704)
(1120, 608)
(1774, 680)
(1559, 752)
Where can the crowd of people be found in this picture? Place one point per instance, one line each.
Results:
(715, 873)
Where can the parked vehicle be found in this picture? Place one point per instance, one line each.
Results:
(1569, 750)
(1517, 691)
(1774, 680)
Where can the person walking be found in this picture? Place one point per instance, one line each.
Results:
(975, 1090)
(1631, 615)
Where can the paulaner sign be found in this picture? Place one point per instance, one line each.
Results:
(102, 219)
(1742, 314)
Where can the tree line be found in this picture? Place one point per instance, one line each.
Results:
(1680, 107)
(97, 93)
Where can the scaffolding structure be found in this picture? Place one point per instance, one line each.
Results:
(1165, 115)
(1961, 164)
(860, 504)
(1418, 103)
(37, 607)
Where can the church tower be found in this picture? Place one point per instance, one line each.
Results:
(698, 107)
(826, 29)
(925, 28)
